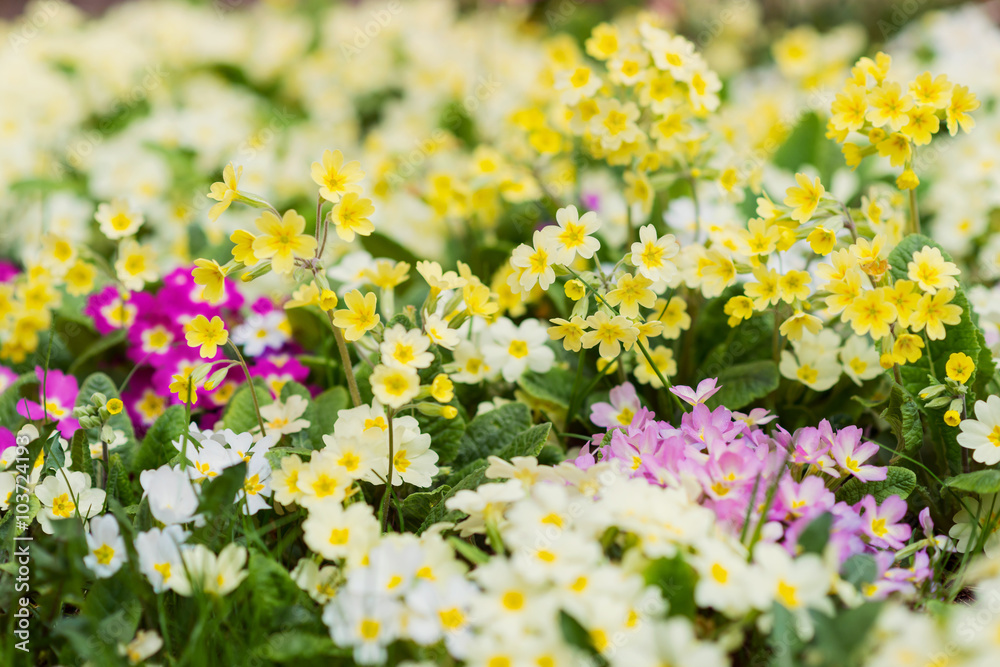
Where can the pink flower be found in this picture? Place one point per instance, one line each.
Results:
(808, 498)
(850, 453)
(811, 447)
(60, 398)
(620, 411)
(881, 522)
(706, 389)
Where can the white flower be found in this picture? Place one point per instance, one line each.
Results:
(366, 622)
(860, 359)
(982, 434)
(486, 503)
(283, 418)
(402, 347)
(203, 570)
(571, 236)
(516, 348)
(441, 609)
(172, 499)
(653, 255)
(260, 332)
(105, 546)
(472, 367)
(535, 262)
(145, 645)
(576, 84)
(413, 461)
(394, 385)
(118, 219)
(337, 533)
(318, 582)
(256, 485)
(986, 513)
(723, 580)
(797, 584)
(159, 554)
(67, 494)
(440, 334)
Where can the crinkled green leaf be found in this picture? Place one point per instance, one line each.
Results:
(898, 482)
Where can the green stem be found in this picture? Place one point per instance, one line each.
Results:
(253, 388)
(388, 478)
(914, 213)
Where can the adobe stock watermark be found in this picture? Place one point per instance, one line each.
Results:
(363, 35)
(22, 543)
(79, 149)
(28, 26)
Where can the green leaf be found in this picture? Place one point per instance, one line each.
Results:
(79, 451)
(784, 639)
(903, 416)
(841, 639)
(157, 448)
(470, 552)
(219, 494)
(119, 487)
(296, 645)
(491, 431)
(417, 506)
(9, 416)
(743, 384)
(271, 589)
(576, 635)
(328, 407)
(898, 482)
(446, 434)
(97, 348)
(815, 536)
(476, 476)
(527, 443)
(554, 387)
(676, 579)
(962, 337)
(982, 482)
(859, 569)
(240, 414)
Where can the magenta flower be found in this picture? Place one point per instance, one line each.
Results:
(881, 522)
(60, 399)
(808, 498)
(809, 446)
(8, 272)
(706, 389)
(7, 378)
(850, 453)
(620, 411)
(110, 310)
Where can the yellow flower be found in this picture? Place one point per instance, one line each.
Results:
(575, 289)
(931, 271)
(114, 406)
(896, 147)
(184, 387)
(931, 92)
(904, 297)
(793, 327)
(442, 388)
(760, 237)
(794, 285)
(80, 278)
(673, 315)
(335, 178)
(822, 240)
(765, 291)
(805, 198)
(478, 301)
(631, 292)
(226, 191)
(871, 312)
(359, 317)
(960, 367)
(327, 299)
(849, 108)
(387, 274)
(136, 265)
(118, 219)
(307, 294)
(609, 333)
(907, 348)
(738, 308)
(282, 240)
(923, 123)
(907, 180)
(888, 104)
(394, 385)
(212, 278)
(209, 334)
(933, 311)
(952, 418)
(350, 215)
(243, 250)
(570, 332)
(957, 113)
(663, 359)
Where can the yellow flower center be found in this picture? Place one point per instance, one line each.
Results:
(518, 349)
(62, 506)
(339, 536)
(104, 554)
